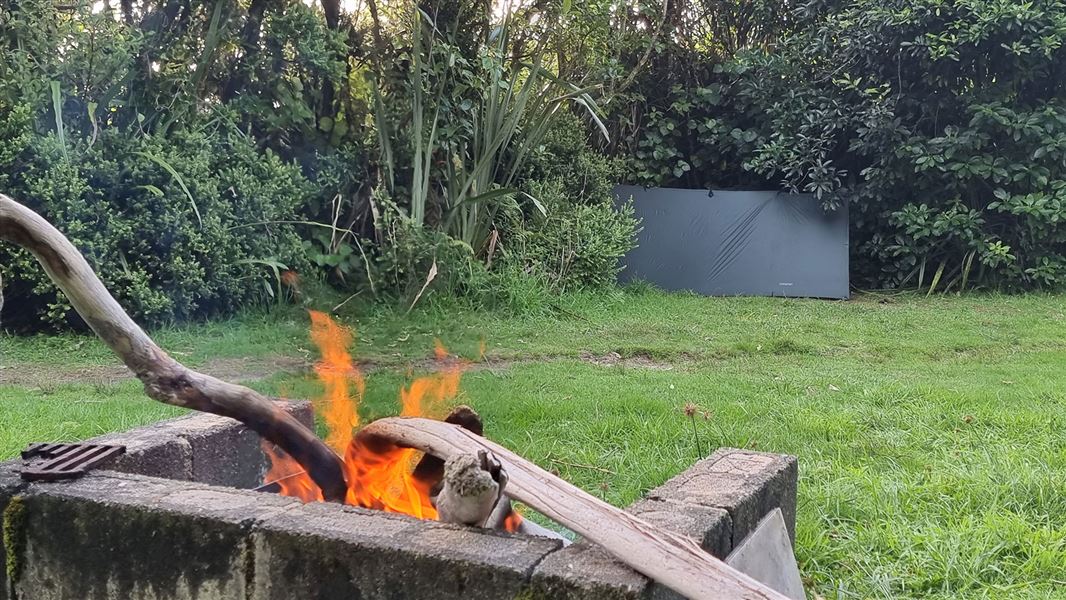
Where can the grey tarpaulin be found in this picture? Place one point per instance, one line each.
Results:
(738, 243)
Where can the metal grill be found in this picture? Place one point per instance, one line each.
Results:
(52, 462)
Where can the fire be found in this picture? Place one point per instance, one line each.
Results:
(336, 371)
(289, 476)
(378, 477)
(512, 521)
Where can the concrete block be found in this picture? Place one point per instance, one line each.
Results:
(712, 528)
(746, 484)
(154, 450)
(586, 571)
(329, 551)
(198, 447)
(225, 452)
(11, 485)
(304, 412)
(118, 536)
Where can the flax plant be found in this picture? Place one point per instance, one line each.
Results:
(507, 106)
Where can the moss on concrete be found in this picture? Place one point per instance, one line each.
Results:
(14, 537)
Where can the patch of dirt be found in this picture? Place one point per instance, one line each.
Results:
(614, 359)
(228, 369)
(36, 375)
(243, 370)
(426, 365)
(253, 369)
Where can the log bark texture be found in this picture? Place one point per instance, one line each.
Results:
(164, 378)
(671, 559)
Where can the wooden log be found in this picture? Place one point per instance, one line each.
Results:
(671, 559)
(473, 485)
(164, 378)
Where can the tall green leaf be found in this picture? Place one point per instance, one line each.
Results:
(210, 43)
(57, 108)
(177, 177)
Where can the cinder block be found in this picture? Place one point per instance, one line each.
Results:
(224, 452)
(712, 528)
(747, 484)
(328, 551)
(198, 447)
(117, 536)
(304, 412)
(585, 571)
(704, 502)
(11, 512)
(154, 450)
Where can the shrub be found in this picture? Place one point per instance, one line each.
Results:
(578, 240)
(176, 228)
(406, 254)
(576, 244)
(942, 125)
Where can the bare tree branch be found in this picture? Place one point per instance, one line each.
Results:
(164, 378)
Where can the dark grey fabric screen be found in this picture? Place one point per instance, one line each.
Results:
(738, 243)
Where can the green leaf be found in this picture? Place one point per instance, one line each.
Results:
(158, 193)
(173, 173)
(210, 44)
(936, 277)
(91, 107)
(537, 204)
(57, 107)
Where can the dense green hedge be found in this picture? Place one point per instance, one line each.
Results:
(114, 129)
(580, 239)
(194, 150)
(942, 124)
(166, 251)
(178, 143)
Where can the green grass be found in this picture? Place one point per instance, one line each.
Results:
(931, 431)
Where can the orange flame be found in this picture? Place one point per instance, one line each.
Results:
(378, 472)
(512, 521)
(289, 475)
(336, 371)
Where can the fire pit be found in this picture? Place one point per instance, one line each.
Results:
(176, 517)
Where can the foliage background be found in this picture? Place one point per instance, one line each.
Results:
(940, 123)
(199, 151)
(373, 143)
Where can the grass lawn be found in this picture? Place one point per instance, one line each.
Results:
(931, 432)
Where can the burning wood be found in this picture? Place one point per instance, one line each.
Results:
(378, 475)
(472, 487)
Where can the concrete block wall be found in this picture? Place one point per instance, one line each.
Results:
(199, 447)
(127, 535)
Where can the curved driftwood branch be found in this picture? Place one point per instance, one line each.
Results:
(164, 378)
(670, 559)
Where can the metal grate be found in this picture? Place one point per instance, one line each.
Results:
(52, 462)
